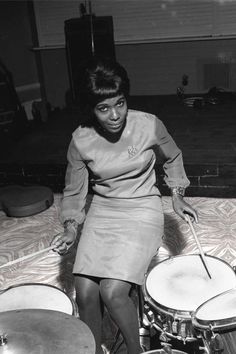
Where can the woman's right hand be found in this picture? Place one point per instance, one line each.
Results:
(64, 241)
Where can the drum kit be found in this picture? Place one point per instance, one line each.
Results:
(180, 301)
(192, 299)
(41, 319)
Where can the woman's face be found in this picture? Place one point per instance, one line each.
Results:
(111, 113)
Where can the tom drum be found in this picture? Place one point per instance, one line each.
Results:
(216, 321)
(177, 286)
(37, 296)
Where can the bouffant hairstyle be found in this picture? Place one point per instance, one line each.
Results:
(98, 80)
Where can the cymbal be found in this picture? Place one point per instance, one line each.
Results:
(37, 331)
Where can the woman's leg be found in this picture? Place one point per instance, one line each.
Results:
(115, 294)
(90, 307)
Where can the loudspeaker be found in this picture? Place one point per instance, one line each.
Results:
(86, 37)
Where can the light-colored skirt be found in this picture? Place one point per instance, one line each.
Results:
(120, 237)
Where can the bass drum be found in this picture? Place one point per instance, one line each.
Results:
(177, 286)
(216, 322)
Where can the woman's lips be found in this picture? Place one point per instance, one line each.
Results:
(115, 126)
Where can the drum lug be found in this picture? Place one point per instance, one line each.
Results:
(205, 348)
(151, 318)
(144, 338)
(164, 337)
(167, 347)
(175, 325)
(212, 343)
(206, 351)
(3, 339)
(216, 344)
(149, 315)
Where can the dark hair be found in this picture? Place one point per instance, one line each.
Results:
(99, 80)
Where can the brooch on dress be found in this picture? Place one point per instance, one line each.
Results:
(132, 150)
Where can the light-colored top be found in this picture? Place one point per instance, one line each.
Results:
(124, 169)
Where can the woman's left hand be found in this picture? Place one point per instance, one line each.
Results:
(182, 208)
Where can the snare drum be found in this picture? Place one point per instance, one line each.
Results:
(216, 321)
(177, 286)
(37, 296)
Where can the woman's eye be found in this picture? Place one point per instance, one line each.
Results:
(120, 103)
(103, 109)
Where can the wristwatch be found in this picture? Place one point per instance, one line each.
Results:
(178, 190)
(71, 224)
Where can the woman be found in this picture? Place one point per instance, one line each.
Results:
(123, 229)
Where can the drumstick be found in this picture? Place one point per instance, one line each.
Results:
(202, 255)
(26, 257)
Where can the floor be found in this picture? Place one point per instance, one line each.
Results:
(177, 283)
(205, 130)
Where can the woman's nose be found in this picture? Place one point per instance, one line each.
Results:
(114, 114)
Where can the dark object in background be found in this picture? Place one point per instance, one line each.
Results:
(86, 37)
(181, 88)
(19, 201)
(220, 94)
(13, 119)
(213, 97)
(41, 111)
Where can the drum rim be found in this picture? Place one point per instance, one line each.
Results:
(169, 310)
(73, 304)
(217, 324)
(161, 349)
(34, 284)
(166, 310)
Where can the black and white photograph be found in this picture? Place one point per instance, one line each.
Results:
(117, 176)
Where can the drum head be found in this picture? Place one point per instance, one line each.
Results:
(35, 296)
(218, 311)
(182, 283)
(44, 331)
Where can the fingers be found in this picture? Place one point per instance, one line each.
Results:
(62, 248)
(192, 214)
(61, 244)
(195, 216)
(56, 241)
(188, 216)
(182, 208)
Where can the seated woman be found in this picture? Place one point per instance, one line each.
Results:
(123, 229)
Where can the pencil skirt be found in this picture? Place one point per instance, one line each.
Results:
(120, 237)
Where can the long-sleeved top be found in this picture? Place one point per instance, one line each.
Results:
(121, 169)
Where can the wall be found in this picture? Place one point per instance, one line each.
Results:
(154, 69)
(158, 68)
(15, 48)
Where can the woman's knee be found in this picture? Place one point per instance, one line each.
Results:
(87, 290)
(114, 292)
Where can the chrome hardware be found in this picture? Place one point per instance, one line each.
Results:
(3, 339)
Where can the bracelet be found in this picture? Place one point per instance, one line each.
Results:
(178, 191)
(71, 223)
